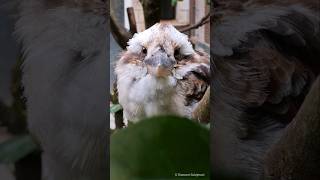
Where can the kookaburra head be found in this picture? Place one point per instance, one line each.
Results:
(160, 73)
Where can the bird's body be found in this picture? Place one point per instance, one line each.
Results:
(154, 75)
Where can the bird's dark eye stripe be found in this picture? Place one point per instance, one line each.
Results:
(176, 51)
(178, 56)
(186, 56)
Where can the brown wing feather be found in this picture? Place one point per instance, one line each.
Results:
(195, 82)
(270, 62)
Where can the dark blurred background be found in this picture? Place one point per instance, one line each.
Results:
(16, 161)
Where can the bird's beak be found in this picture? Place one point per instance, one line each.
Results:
(159, 64)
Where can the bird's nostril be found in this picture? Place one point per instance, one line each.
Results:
(162, 49)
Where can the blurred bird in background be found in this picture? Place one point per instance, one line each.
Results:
(65, 82)
(265, 57)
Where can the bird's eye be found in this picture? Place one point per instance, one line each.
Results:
(144, 50)
(176, 52)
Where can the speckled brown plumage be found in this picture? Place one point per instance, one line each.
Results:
(265, 57)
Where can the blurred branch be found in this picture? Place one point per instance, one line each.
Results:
(151, 11)
(202, 111)
(132, 20)
(202, 22)
(296, 155)
(18, 124)
(119, 32)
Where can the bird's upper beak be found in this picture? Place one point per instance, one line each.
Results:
(159, 64)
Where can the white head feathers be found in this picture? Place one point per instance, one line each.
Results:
(160, 32)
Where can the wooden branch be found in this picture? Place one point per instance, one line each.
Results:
(202, 111)
(120, 33)
(203, 21)
(132, 20)
(296, 155)
(119, 121)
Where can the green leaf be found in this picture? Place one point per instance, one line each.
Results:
(159, 147)
(115, 108)
(16, 148)
(173, 2)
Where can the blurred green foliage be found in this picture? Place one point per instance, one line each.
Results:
(16, 148)
(115, 108)
(158, 148)
(174, 2)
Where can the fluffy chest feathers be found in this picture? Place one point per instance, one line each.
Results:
(146, 96)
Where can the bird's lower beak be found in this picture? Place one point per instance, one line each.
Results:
(159, 65)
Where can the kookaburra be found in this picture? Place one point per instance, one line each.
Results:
(160, 73)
